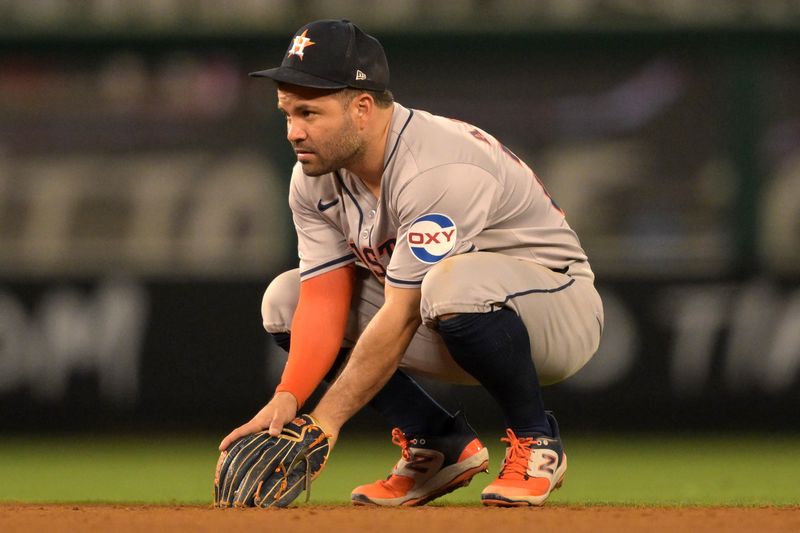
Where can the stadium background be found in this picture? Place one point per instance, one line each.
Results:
(143, 182)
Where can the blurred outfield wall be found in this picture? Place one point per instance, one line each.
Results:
(143, 182)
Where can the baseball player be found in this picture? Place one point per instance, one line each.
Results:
(426, 247)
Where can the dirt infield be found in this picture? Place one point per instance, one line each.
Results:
(121, 519)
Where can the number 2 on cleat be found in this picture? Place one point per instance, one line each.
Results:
(548, 466)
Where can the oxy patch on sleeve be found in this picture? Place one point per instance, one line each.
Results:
(431, 237)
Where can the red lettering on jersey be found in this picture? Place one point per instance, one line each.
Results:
(480, 136)
(372, 259)
(432, 237)
(387, 248)
(416, 238)
(476, 133)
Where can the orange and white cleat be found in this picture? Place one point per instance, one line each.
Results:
(429, 467)
(532, 469)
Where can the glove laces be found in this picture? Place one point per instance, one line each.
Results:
(286, 471)
(303, 456)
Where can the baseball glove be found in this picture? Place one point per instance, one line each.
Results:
(263, 471)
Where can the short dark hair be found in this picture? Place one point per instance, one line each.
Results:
(382, 99)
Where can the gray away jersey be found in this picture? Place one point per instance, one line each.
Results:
(448, 188)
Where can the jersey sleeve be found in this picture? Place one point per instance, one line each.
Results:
(440, 211)
(321, 246)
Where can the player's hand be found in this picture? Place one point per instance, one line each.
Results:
(281, 409)
(263, 471)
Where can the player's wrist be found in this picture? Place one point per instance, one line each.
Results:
(285, 395)
(327, 424)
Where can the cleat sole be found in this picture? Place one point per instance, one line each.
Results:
(498, 500)
(462, 480)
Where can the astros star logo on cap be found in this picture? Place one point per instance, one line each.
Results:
(299, 44)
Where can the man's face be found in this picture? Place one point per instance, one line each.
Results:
(320, 128)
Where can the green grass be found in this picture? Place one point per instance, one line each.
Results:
(636, 470)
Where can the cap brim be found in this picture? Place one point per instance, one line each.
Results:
(296, 77)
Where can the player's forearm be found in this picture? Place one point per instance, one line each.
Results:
(317, 331)
(373, 361)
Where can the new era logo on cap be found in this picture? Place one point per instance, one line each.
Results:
(341, 56)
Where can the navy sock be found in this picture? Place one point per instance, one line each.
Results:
(495, 349)
(402, 402)
(407, 406)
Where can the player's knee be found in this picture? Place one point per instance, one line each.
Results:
(280, 301)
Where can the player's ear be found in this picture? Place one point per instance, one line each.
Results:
(364, 104)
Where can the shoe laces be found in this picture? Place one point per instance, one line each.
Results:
(518, 455)
(399, 438)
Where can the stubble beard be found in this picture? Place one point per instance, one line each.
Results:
(342, 151)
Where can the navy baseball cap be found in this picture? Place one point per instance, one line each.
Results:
(332, 54)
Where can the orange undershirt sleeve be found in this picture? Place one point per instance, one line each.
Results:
(317, 330)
